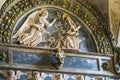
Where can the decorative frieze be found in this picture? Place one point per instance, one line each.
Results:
(11, 74)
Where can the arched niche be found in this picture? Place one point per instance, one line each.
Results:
(87, 41)
(14, 12)
(96, 44)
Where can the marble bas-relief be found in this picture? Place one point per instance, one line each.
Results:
(69, 39)
(11, 74)
(56, 76)
(51, 28)
(35, 75)
(78, 77)
(30, 33)
(58, 59)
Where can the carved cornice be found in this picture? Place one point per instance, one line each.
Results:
(99, 59)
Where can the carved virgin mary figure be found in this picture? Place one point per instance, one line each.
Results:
(30, 33)
(69, 39)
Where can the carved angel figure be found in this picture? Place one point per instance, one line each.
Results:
(36, 75)
(30, 33)
(56, 76)
(69, 39)
(10, 75)
(78, 77)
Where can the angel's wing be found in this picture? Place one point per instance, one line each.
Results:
(25, 26)
(66, 77)
(87, 78)
(19, 74)
(43, 76)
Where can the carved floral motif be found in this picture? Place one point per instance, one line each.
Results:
(106, 66)
(3, 55)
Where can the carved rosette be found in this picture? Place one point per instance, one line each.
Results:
(106, 66)
(3, 55)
